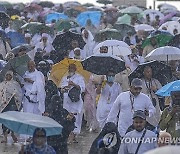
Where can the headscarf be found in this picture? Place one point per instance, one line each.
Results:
(10, 73)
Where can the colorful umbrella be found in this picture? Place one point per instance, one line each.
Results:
(55, 16)
(131, 10)
(26, 123)
(162, 38)
(60, 69)
(108, 34)
(94, 16)
(125, 19)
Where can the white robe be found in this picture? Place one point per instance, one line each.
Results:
(82, 54)
(36, 92)
(74, 107)
(107, 98)
(123, 107)
(46, 47)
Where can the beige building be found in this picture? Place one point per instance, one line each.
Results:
(129, 2)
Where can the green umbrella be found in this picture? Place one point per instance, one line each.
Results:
(162, 38)
(131, 10)
(6, 4)
(37, 27)
(17, 24)
(125, 19)
(108, 34)
(65, 24)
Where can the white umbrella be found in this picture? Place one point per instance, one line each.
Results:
(115, 47)
(144, 27)
(165, 150)
(171, 25)
(152, 13)
(165, 53)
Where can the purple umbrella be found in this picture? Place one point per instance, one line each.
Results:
(169, 16)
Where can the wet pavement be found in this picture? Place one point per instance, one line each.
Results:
(85, 140)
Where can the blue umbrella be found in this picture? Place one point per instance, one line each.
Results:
(55, 16)
(166, 90)
(94, 16)
(16, 39)
(26, 123)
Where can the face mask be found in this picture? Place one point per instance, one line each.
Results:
(110, 79)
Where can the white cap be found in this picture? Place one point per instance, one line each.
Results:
(27, 35)
(77, 49)
(50, 61)
(45, 35)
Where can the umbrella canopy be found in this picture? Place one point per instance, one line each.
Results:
(55, 16)
(94, 16)
(144, 27)
(33, 7)
(115, 47)
(131, 10)
(4, 20)
(26, 123)
(6, 4)
(72, 12)
(101, 64)
(124, 28)
(171, 26)
(165, 53)
(168, 88)
(17, 24)
(20, 39)
(162, 38)
(65, 24)
(105, 2)
(24, 47)
(60, 69)
(37, 27)
(165, 150)
(71, 4)
(160, 71)
(62, 42)
(47, 4)
(152, 13)
(107, 34)
(125, 19)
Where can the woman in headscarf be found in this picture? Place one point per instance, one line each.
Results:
(108, 141)
(90, 43)
(56, 111)
(10, 100)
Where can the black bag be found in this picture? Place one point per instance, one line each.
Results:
(74, 94)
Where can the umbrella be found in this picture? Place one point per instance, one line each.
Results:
(171, 25)
(65, 24)
(25, 47)
(72, 12)
(71, 4)
(144, 27)
(162, 38)
(160, 71)
(105, 2)
(124, 28)
(16, 38)
(165, 53)
(115, 47)
(18, 65)
(6, 4)
(101, 64)
(47, 4)
(170, 149)
(167, 17)
(60, 69)
(107, 34)
(166, 90)
(26, 123)
(17, 24)
(37, 27)
(88, 4)
(152, 13)
(33, 7)
(12, 12)
(125, 19)
(131, 10)
(94, 16)
(4, 20)
(55, 16)
(62, 42)
(95, 8)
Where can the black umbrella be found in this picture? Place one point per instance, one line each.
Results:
(46, 4)
(101, 64)
(62, 42)
(4, 20)
(160, 71)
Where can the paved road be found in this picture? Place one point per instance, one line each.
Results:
(85, 140)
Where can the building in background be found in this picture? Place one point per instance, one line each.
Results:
(129, 2)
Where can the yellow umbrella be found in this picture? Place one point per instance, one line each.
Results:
(60, 69)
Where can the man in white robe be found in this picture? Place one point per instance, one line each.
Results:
(128, 102)
(68, 82)
(34, 97)
(108, 91)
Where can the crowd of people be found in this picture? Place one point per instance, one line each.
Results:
(119, 108)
